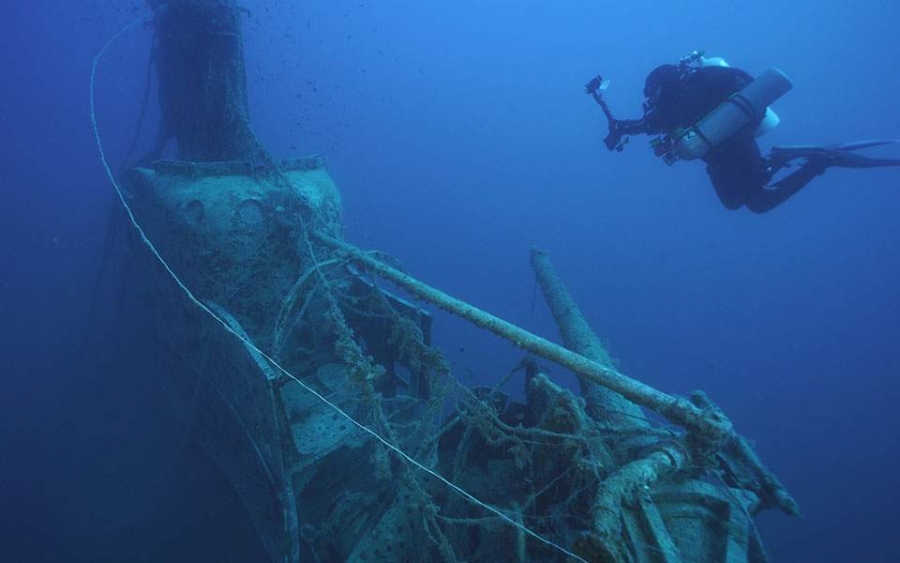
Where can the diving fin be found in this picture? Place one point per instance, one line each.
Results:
(841, 156)
(858, 145)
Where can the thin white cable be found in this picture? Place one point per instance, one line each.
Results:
(463, 493)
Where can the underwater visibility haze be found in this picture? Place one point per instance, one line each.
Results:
(458, 136)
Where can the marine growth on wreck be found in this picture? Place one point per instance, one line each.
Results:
(318, 391)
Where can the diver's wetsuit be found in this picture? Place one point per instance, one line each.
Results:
(738, 171)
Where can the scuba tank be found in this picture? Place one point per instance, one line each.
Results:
(771, 119)
(725, 120)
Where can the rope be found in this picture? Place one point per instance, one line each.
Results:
(144, 103)
(247, 342)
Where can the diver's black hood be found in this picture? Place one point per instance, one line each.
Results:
(663, 76)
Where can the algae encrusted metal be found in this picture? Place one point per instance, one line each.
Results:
(589, 475)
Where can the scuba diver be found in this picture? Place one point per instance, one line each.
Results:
(702, 108)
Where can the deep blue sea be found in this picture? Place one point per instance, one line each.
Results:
(460, 135)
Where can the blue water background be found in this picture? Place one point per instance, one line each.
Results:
(459, 135)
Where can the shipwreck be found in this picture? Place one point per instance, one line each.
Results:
(306, 369)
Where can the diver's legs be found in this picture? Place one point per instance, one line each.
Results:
(764, 199)
(737, 170)
(729, 186)
(740, 175)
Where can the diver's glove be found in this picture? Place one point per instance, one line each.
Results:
(619, 129)
(613, 140)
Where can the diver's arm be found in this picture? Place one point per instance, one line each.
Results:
(620, 128)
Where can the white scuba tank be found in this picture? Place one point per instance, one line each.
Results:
(731, 115)
(769, 122)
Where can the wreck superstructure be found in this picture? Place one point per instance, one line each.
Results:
(320, 395)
